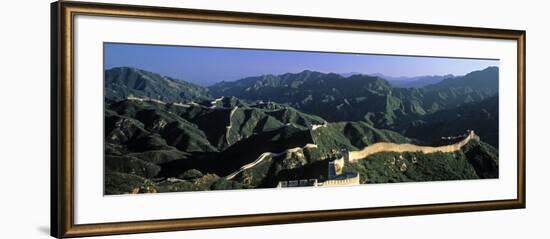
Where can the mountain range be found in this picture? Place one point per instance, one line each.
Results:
(406, 81)
(164, 134)
(415, 81)
(361, 97)
(122, 82)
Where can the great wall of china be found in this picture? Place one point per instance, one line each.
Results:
(339, 179)
(402, 148)
(265, 155)
(352, 156)
(145, 100)
(186, 105)
(354, 180)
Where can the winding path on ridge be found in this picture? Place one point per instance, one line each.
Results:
(401, 148)
(367, 151)
(264, 156)
(228, 128)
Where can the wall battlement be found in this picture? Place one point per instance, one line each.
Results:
(342, 182)
(336, 176)
(401, 148)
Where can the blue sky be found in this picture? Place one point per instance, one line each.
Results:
(206, 66)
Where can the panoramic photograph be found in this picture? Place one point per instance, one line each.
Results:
(190, 118)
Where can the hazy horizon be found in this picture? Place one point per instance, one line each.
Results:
(208, 65)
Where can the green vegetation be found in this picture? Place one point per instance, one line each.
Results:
(122, 183)
(482, 117)
(412, 167)
(173, 136)
(122, 82)
(362, 97)
(352, 136)
(475, 160)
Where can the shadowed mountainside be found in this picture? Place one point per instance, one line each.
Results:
(164, 135)
(361, 97)
(122, 82)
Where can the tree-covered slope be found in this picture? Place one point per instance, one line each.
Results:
(361, 97)
(474, 161)
(482, 117)
(121, 82)
(484, 80)
(255, 132)
(352, 136)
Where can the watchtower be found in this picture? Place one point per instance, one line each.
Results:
(335, 165)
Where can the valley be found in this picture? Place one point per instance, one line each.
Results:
(169, 135)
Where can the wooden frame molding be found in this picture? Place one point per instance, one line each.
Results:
(62, 115)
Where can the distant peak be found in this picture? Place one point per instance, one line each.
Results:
(124, 68)
(129, 69)
(310, 72)
(348, 74)
(490, 69)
